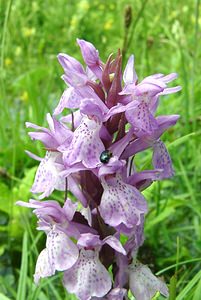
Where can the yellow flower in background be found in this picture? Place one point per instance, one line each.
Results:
(18, 51)
(35, 6)
(24, 96)
(84, 5)
(8, 61)
(74, 21)
(27, 31)
(185, 8)
(108, 24)
(101, 6)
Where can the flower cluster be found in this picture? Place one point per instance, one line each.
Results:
(90, 155)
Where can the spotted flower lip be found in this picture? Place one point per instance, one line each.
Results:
(60, 254)
(88, 277)
(86, 144)
(143, 283)
(121, 203)
(108, 117)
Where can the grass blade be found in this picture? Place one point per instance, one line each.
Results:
(189, 286)
(21, 291)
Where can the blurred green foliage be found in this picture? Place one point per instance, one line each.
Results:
(165, 37)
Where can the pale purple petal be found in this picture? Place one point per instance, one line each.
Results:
(128, 90)
(30, 204)
(114, 165)
(170, 77)
(89, 240)
(34, 156)
(74, 187)
(130, 75)
(91, 57)
(156, 76)
(69, 99)
(92, 108)
(161, 159)
(74, 72)
(34, 126)
(73, 169)
(164, 123)
(90, 74)
(43, 266)
(137, 177)
(118, 147)
(121, 203)
(104, 134)
(59, 131)
(69, 209)
(144, 142)
(136, 239)
(119, 108)
(63, 253)
(121, 277)
(149, 88)
(143, 284)
(45, 138)
(141, 119)
(89, 52)
(171, 90)
(88, 277)
(69, 62)
(86, 145)
(113, 242)
(47, 176)
(53, 137)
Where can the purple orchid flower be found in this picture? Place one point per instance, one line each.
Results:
(60, 252)
(88, 277)
(143, 283)
(91, 57)
(145, 95)
(49, 177)
(90, 156)
(121, 203)
(51, 138)
(86, 145)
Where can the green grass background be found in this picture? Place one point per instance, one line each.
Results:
(165, 37)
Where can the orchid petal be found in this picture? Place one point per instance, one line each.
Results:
(144, 284)
(171, 90)
(121, 203)
(43, 266)
(113, 242)
(130, 75)
(161, 160)
(91, 57)
(86, 145)
(47, 176)
(62, 251)
(69, 99)
(141, 119)
(89, 240)
(88, 277)
(89, 52)
(69, 208)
